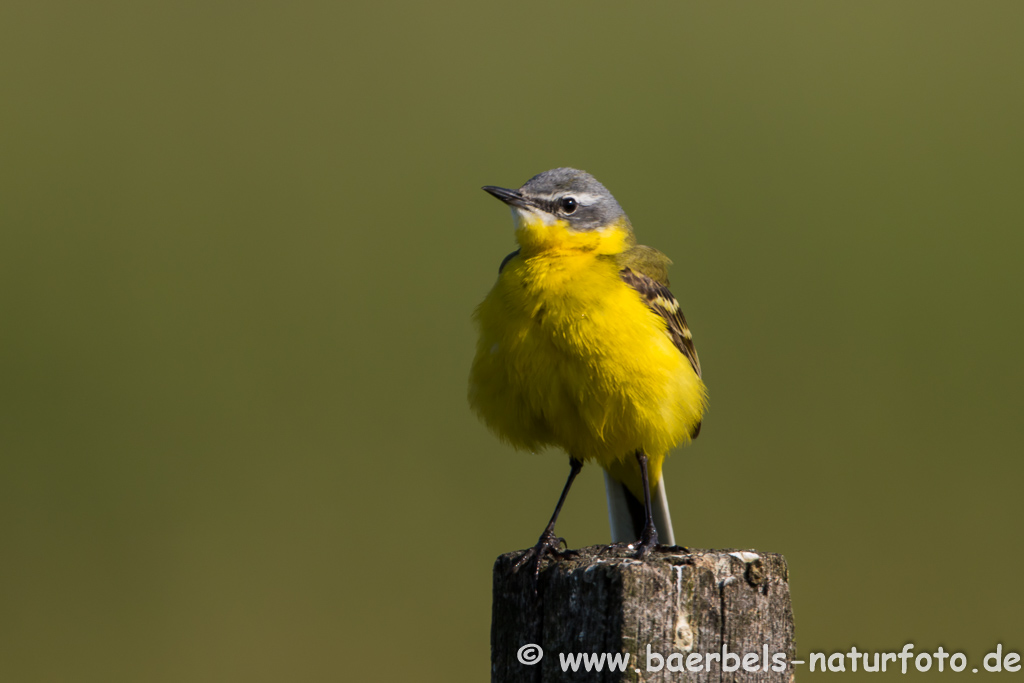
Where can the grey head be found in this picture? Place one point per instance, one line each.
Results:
(567, 194)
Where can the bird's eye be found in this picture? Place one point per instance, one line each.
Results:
(568, 204)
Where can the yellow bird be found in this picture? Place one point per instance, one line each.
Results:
(583, 347)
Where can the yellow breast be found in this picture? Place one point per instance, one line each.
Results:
(569, 355)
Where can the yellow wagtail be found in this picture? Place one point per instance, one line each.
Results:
(582, 346)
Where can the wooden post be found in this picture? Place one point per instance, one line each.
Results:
(679, 606)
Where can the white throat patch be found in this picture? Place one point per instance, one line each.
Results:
(527, 215)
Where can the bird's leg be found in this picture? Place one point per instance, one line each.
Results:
(549, 543)
(649, 536)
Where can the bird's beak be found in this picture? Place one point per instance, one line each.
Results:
(510, 197)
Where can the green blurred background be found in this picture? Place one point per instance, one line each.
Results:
(239, 248)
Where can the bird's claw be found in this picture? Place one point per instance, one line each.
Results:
(548, 544)
(648, 542)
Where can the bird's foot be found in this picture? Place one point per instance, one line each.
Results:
(648, 542)
(549, 544)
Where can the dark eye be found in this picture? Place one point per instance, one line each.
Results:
(568, 204)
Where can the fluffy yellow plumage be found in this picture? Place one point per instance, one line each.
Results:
(572, 351)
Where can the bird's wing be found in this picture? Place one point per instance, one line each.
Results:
(645, 270)
(504, 261)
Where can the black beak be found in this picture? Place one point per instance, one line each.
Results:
(510, 197)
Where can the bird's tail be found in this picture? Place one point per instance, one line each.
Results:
(626, 512)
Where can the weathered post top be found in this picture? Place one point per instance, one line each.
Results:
(701, 615)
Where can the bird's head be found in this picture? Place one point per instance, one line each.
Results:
(566, 209)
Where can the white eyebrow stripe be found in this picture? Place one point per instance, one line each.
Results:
(581, 197)
(586, 197)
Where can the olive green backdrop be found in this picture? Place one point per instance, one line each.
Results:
(240, 244)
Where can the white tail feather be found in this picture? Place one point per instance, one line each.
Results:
(618, 512)
(622, 523)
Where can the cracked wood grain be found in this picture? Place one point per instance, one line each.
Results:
(601, 600)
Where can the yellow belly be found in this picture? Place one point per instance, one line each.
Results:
(570, 356)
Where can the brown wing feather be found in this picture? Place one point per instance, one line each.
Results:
(660, 300)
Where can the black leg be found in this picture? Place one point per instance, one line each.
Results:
(549, 543)
(649, 537)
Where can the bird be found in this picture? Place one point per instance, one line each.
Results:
(582, 346)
